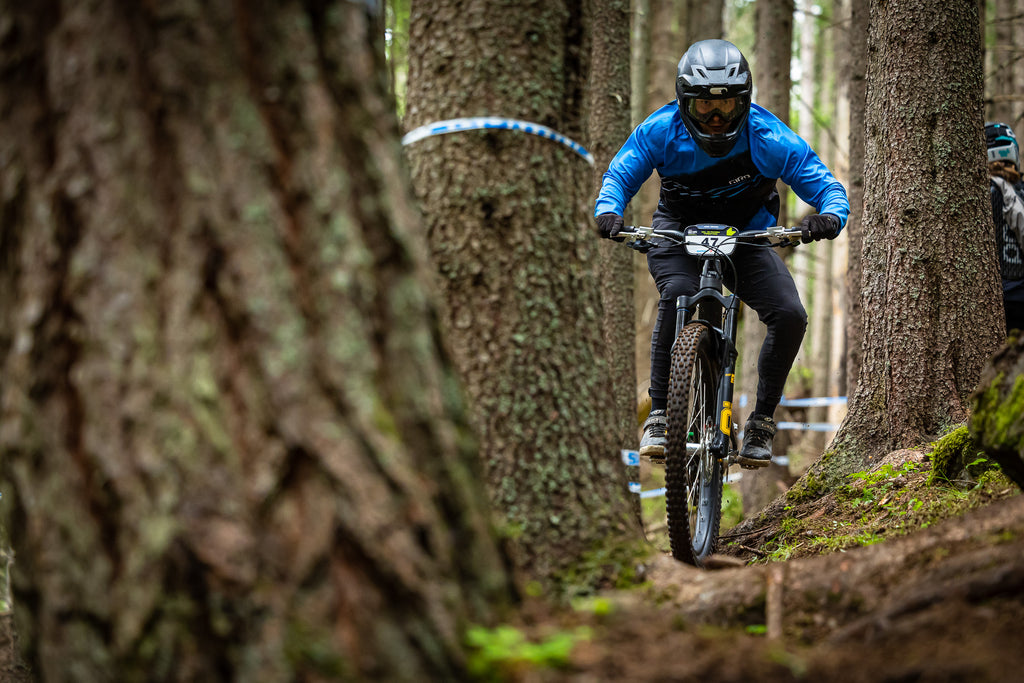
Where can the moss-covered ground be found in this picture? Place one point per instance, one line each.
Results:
(903, 573)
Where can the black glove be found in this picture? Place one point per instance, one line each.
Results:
(819, 227)
(609, 225)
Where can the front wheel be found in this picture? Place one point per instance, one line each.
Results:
(693, 475)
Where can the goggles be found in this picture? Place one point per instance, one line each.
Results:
(702, 110)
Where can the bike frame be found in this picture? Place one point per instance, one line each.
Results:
(709, 298)
(702, 444)
(711, 286)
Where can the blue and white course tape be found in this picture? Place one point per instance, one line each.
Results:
(802, 402)
(494, 123)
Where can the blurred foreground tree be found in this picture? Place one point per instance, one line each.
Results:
(232, 445)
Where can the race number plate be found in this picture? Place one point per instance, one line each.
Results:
(710, 240)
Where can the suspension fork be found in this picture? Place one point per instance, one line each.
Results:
(726, 383)
(710, 290)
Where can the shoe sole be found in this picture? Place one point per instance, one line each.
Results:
(655, 453)
(753, 463)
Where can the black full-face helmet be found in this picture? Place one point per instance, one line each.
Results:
(1001, 143)
(713, 79)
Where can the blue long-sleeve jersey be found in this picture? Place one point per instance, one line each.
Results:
(737, 189)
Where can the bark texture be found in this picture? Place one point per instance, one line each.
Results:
(1004, 98)
(704, 19)
(856, 76)
(517, 257)
(666, 45)
(668, 38)
(770, 67)
(234, 445)
(930, 287)
(642, 27)
(608, 127)
(773, 52)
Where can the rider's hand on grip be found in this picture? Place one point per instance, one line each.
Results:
(609, 225)
(819, 227)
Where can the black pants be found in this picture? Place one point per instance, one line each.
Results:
(1014, 315)
(764, 284)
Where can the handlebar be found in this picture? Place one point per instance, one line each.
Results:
(643, 238)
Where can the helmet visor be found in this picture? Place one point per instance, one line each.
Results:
(728, 108)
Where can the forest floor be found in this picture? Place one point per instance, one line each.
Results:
(889, 579)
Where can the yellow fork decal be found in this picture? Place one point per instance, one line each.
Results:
(727, 410)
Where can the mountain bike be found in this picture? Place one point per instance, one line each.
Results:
(702, 442)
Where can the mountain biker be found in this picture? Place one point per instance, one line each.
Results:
(719, 156)
(1007, 193)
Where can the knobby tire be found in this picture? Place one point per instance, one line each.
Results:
(693, 484)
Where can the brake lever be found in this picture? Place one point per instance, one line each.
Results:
(780, 237)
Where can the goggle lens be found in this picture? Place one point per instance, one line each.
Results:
(704, 110)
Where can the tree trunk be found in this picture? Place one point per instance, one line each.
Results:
(809, 85)
(771, 77)
(668, 22)
(821, 340)
(508, 221)
(825, 310)
(641, 28)
(704, 20)
(841, 41)
(824, 72)
(397, 19)
(667, 45)
(930, 282)
(773, 50)
(1004, 57)
(856, 77)
(815, 93)
(800, 261)
(1018, 71)
(803, 260)
(231, 437)
(757, 487)
(609, 126)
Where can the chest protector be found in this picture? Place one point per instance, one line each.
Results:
(1010, 231)
(730, 191)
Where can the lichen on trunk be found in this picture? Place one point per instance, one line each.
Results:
(231, 439)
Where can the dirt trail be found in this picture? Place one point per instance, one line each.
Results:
(945, 603)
